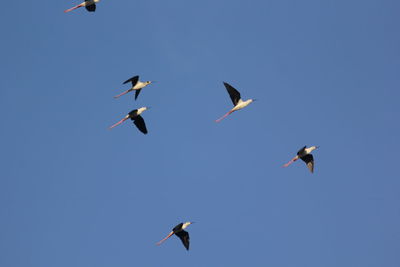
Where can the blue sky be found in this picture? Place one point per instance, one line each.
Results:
(73, 193)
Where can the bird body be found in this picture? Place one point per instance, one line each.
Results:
(242, 104)
(140, 85)
(138, 120)
(89, 4)
(305, 151)
(305, 155)
(236, 100)
(139, 111)
(136, 86)
(180, 232)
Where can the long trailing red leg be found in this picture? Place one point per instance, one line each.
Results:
(75, 7)
(290, 162)
(118, 123)
(223, 117)
(168, 236)
(127, 91)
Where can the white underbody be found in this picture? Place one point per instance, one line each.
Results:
(309, 150)
(140, 110)
(89, 3)
(185, 225)
(306, 151)
(241, 104)
(139, 85)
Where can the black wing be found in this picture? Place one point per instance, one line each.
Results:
(184, 236)
(132, 114)
(301, 151)
(177, 228)
(139, 122)
(91, 8)
(233, 93)
(309, 160)
(134, 80)
(137, 93)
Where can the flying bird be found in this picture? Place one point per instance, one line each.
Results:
(180, 232)
(238, 103)
(90, 6)
(305, 155)
(136, 85)
(134, 115)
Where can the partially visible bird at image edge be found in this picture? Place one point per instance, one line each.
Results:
(90, 6)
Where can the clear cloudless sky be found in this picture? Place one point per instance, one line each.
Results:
(73, 193)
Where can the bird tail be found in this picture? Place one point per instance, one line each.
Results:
(73, 8)
(127, 91)
(118, 123)
(168, 236)
(290, 162)
(223, 117)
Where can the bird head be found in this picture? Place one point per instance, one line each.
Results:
(186, 224)
(314, 148)
(140, 110)
(148, 82)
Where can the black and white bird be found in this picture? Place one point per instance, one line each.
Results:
(305, 155)
(136, 86)
(236, 100)
(90, 6)
(134, 115)
(180, 232)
